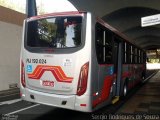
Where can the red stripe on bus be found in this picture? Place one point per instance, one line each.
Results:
(126, 74)
(71, 13)
(105, 91)
(57, 71)
(83, 105)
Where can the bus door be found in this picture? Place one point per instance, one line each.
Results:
(117, 61)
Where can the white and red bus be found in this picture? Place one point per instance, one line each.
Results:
(76, 61)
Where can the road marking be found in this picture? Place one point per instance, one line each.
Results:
(149, 77)
(9, 91)
(22, 109)
(10, 101)
(9, 95)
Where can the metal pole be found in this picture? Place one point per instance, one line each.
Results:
(31, 9)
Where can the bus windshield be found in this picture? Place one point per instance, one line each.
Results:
(55, 32)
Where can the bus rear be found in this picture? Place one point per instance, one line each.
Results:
(55, 60)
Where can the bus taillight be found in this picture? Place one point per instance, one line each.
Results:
(23, 82)
(83, 77)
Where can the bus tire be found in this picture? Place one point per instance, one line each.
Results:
(125, 90)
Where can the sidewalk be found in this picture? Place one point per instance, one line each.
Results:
(9, 94)
(146, 99)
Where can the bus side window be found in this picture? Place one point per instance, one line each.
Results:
(128, 53)
(139, 56)
(108, 47)
(135, 56)
(99, 43)
(132, 54)
(103, 45)
(124, 52)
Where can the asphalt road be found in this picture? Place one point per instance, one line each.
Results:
(29, 111)
(22, 110)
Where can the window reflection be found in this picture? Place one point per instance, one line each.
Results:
(60, 32)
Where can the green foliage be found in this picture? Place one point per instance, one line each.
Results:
(77, 38)
(47, 30)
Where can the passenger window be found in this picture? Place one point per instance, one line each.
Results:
(139, 56)
(103, 45)
(135, 55)
(128, 53)
(108, 47)
(125, 52)
(132, 54)
(99, 44)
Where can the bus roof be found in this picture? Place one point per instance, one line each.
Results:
(73, 13)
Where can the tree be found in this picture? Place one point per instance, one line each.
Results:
(47, 31)
(77, 38)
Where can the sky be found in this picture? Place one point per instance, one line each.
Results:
(56, 5)
(49, 5)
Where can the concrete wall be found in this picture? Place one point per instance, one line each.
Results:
(10, 41)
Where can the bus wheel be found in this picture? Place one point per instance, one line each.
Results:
(125, 90)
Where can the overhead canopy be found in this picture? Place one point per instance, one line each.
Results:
(125, 15)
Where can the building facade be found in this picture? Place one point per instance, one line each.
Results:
(10, 42)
